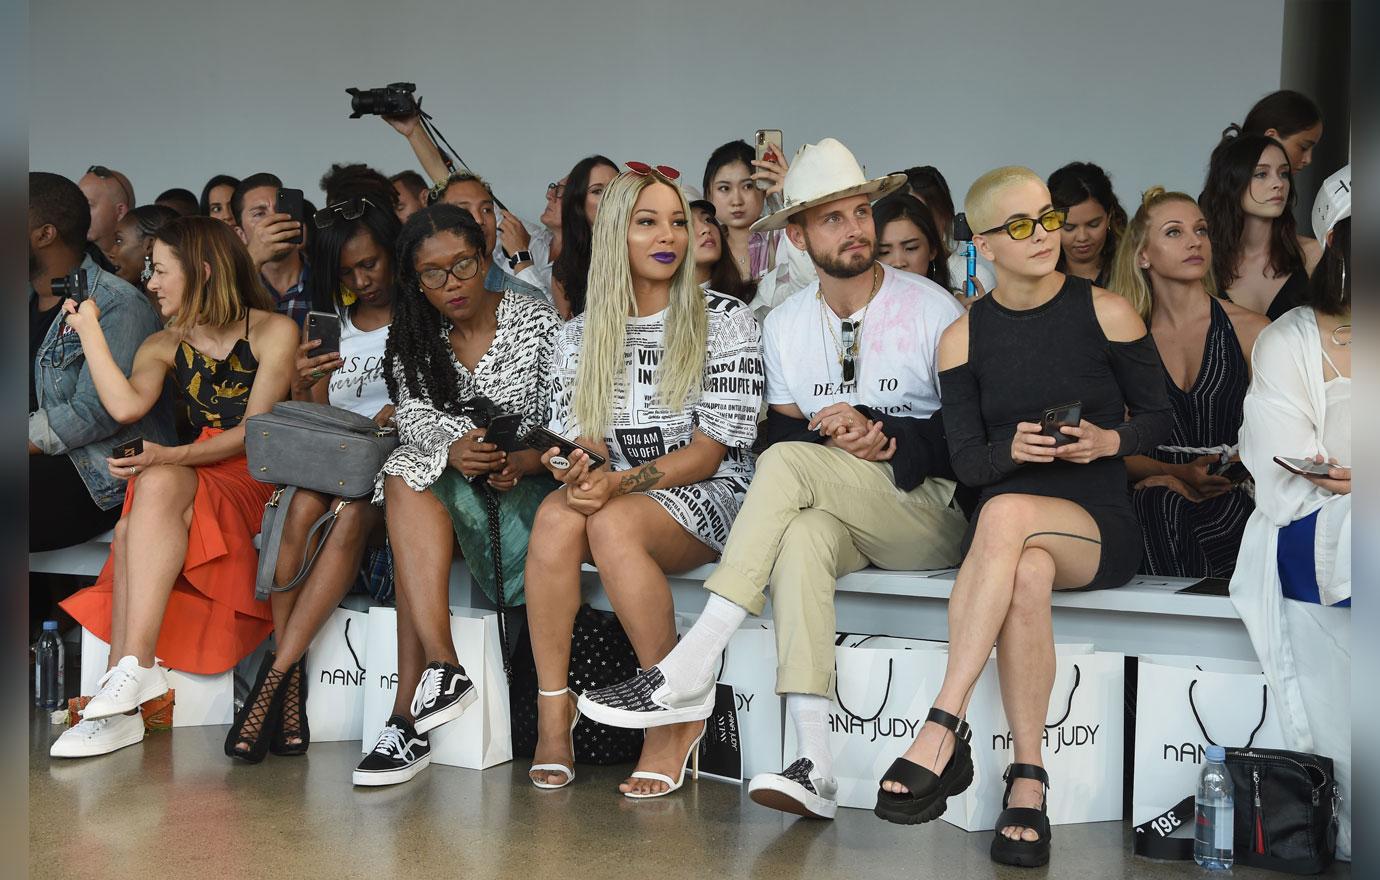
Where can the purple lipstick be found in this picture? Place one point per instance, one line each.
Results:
(665, 257)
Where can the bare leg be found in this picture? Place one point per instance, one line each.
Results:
(420, 532)
(635, 542)
(306, 508)
(982, 596)
(553, 599)
(411, 658)
(157, 524)
(119, 591)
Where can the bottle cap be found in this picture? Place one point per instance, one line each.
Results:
(1216, 754)
(50, 626)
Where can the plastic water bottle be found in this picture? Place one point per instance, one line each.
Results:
(49, 685)
(1213, 815)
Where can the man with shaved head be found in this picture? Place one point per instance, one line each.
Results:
(111, 197)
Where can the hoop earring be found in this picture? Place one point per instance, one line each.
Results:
(145, 275)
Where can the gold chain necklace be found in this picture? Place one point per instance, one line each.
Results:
(852, 350)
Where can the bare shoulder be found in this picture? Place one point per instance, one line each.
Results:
(162, 344)
(1117, 317)
(272, 327)
(1246, 323)
(953, 344)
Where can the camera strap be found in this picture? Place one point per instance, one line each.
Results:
(436, 136)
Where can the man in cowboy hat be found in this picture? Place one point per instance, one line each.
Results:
(857, 472)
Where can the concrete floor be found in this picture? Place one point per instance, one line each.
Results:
(175, 807)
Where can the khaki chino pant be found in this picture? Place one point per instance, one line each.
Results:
(813, 514)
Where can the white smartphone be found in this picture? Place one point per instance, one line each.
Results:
(767, 143)
(1305, 467)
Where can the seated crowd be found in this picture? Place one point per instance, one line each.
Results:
(794, 394)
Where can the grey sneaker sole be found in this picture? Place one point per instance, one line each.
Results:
(779, 793)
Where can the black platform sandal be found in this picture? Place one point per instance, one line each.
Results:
(1023, 853)
(294, 714)
(928, 794)
(261, 716)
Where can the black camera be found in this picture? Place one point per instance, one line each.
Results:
(71, 286)
(395, 99)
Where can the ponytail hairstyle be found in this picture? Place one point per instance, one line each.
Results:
(904, 206)
(571, 268)
(1228, 180)
(1127, 277)
(1329, 287)
(1074, 184)
(418, 349)
(226, 293)
(612, 300)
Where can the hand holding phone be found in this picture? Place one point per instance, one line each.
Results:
(767, 143)
(129, 450)
(1234, 471)
(324, 326)
(541, 440)
(1057, 417)
(502, 431)
(293, 203)
(1305, 467)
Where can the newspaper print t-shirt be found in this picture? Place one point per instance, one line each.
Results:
(897, 370)
(642, 428)
(358, 385)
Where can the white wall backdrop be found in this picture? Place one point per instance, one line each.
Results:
(173, 92)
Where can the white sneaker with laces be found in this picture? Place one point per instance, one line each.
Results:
(124, 687)
(100, 736)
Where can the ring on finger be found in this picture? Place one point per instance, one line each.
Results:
(317, 374)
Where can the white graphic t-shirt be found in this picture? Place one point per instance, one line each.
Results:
(642, 429)
(358, 385)
(896, 368)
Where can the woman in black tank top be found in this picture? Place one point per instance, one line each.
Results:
(1047, 518)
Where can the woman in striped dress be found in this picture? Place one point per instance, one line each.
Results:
(1192, 512)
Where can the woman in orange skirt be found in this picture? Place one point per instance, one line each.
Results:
(179, 583)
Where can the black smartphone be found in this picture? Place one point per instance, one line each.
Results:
(1056, 417)
(129, 450)
(293, 202)
(503, 432)
(324, 326)
(1209, 587)
(541, 440)
(1234, 471)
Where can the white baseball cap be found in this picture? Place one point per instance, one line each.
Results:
(1332, 204)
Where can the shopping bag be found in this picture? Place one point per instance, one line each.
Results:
(748, 665)
(335, 677)
(480, 738)
(881, 697)
(1183, 705)
(201, 699)
(1082, 748)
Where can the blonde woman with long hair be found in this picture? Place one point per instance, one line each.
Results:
(664, 380)
(1192, 509)
(180, 579)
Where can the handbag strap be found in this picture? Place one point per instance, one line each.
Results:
(1152, 838)
(275, 519)
(496, 548)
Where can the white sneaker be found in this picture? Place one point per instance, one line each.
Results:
(124, 687)
(99, 737)
(798, 789)
(646, 700)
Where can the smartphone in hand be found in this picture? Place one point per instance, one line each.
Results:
(541, 440)
(1234, 471)
(502, 432)
(1056, 417)
(767, 142)
(1305, 467)
(293, 203)
(324, 326)
(129, 450)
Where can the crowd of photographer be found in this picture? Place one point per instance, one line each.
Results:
(798, 372)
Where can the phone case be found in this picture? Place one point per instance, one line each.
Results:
(541, 440)
(1057, 417)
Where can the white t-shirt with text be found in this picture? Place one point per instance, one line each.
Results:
(358, 385)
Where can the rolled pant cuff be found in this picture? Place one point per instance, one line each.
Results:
(804, 680)
(737, 588)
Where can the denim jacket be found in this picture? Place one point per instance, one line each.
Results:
(70, 419)
(499, 281)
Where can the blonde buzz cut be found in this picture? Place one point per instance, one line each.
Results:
(980, 204)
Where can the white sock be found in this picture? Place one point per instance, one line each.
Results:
(694, 661)
(810, 713)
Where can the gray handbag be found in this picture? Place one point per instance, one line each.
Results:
(310, 446)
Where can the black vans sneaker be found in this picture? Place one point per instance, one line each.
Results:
(443, 694)
(399, 755)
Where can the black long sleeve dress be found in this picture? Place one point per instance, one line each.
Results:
(1020, 363)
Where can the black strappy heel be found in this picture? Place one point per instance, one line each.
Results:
(293, 713)
(928, 794)
(263, 716)
(1023, 853)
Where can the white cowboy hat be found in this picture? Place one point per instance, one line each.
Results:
(821, 173)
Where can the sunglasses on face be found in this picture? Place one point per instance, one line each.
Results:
(463, 269)
(1023, 227)
(350, 209)
(642, 169)
(105, 173)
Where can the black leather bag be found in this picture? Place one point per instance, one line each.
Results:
(1286, 810)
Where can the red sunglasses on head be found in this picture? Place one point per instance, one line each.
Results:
(643, 169)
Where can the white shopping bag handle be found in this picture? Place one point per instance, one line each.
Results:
(1068, 709)
(1264, 705)
(885, 696)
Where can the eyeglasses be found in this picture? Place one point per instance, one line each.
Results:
(463, 269)
(350, 209)
(555, 190)
(1023, 227)
(849, 331)
(105, 173)
(642, 169)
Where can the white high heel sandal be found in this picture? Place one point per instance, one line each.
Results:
(557, 768)
(693, 757)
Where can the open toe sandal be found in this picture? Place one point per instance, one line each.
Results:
(1023, 853)
(928, 794)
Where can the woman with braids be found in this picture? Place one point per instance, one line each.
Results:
(457, 352)
(1192, 512)
(353, 258)
(179, 583)
(1094, 223)
(663, 379)
(1258, 259)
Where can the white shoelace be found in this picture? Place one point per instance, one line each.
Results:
(391, 742)
(428, 689)
(112, 682)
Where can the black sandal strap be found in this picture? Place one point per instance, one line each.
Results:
(1026, 771)
(911, 775)
(951, 722)
(1025, 817)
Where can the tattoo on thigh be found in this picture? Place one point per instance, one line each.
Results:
(640, 480)
(1028, 538)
